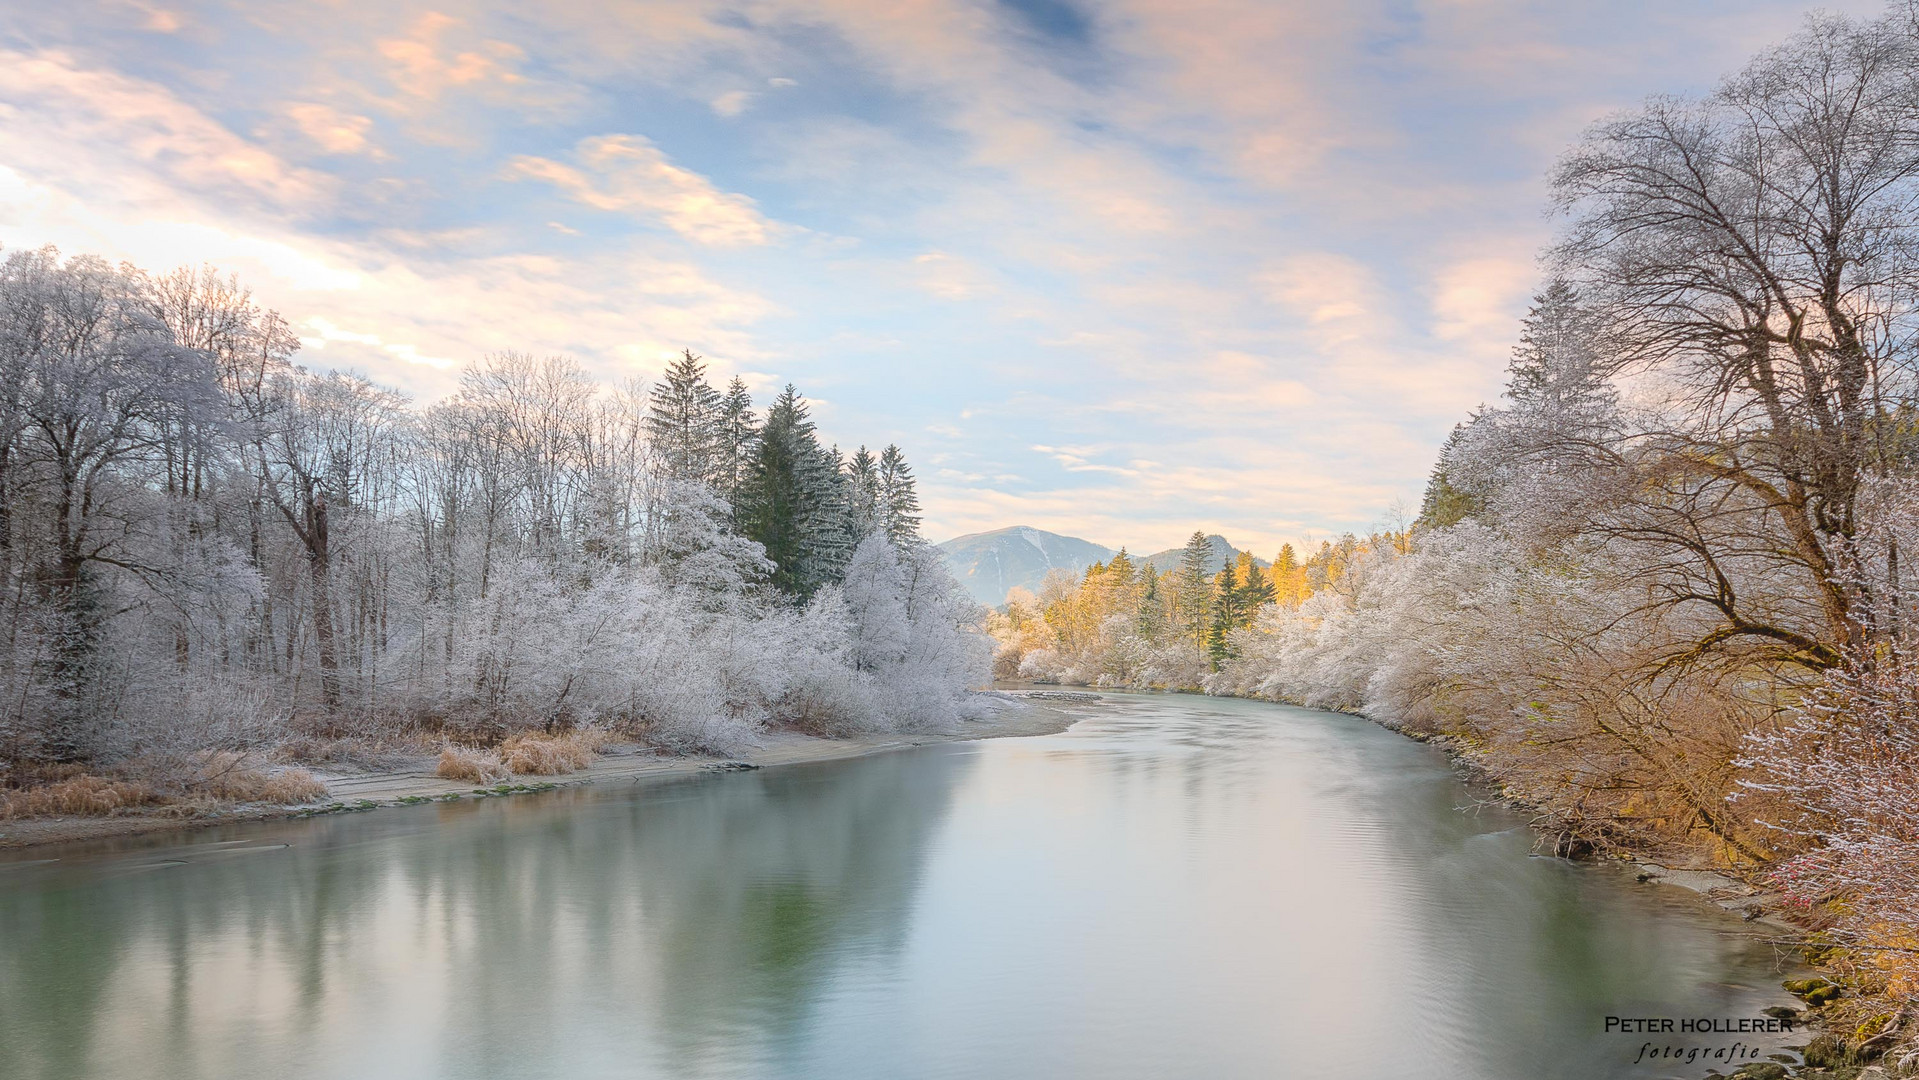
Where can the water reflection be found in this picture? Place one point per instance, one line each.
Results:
(1181, 888)
(694, 922)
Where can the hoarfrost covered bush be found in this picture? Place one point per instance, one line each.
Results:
(914, 641)
(205, 548)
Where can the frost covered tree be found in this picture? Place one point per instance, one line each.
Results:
(685, 422)
(1752, 250)
(93, 385)
(205, 547)
(863, 506)
(738, 436)
(899, 502)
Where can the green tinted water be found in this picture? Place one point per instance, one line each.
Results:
(1184, 887)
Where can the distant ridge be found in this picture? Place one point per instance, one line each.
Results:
(1222, 554)
(992, 564)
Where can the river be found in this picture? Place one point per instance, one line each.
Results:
(1179, 887)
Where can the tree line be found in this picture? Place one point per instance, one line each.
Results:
(205, 545)
(1124, 623)
(1663, 590)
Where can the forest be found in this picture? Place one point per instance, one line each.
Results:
(210, 554)
(1656, 592)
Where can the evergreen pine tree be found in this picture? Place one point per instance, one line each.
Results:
(1256, 588)
(899, 501)
(794, 505)
(683, 419)
(1443, 504)
(737, 438)
(1228, 613)
(1149, 621)
(1289, 577)
(830, 534)
(1555, 366)
(863, 493)
(1192, 593)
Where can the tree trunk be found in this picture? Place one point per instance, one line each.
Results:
(319, 569)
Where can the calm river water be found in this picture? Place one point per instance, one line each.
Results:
(1183, 887)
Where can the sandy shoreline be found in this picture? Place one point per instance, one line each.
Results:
(1025, 714)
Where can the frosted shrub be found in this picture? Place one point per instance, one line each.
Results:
(1844, 774)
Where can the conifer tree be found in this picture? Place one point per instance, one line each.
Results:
(899, 502)
(737, 437)
(1443, 504)
(794, 505)
(863, 493)
(683, 421)
(1226, 617)
(1150, 618)
(1555, 367)
(831, 539)
(1192, 593)
(1256, 588)
(1289, 577)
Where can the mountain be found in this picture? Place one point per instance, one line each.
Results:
(1223, 553)
(990, 564)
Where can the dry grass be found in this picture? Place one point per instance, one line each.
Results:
(472, 766)
(223, 776)
(536, 754)
(293, 786)
(173, 784)
(89, 796)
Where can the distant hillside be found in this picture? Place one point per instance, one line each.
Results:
(1223, 553)
(991, 564)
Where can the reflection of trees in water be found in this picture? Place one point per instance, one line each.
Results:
(782, 880)
(712, 910)
(104, 964)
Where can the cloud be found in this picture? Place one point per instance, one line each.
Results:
(1476, 299)
(628, 174)
(1235, 264)
(1332, 293)
(421, 67)
(732, 103)
(330, 129)
(159, 20)
(325, 333)
(54, 108)
(1078, 459)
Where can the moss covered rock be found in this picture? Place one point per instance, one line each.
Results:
(1830, 1051)
(1820, 996)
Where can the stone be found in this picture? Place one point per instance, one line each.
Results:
(1820, 996)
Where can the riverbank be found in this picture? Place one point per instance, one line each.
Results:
(1014, 714)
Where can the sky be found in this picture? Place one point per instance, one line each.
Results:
(1116, 270)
